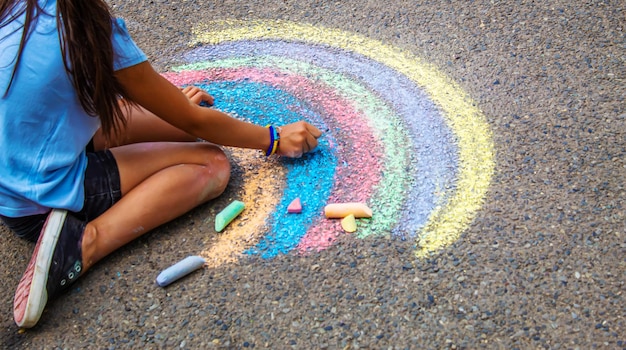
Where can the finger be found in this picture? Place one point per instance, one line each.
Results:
(209, 99)
(195, 97)
(313, 130)
(311, 143)
(293, 154)
(200, 96)
(204, 96)
(190, 91)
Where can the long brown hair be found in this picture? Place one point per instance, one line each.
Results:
(85, 28)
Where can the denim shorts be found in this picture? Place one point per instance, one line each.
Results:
(102, 190)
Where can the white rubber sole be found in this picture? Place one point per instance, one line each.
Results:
(37, 296)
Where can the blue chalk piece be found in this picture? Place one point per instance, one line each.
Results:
(179, 270)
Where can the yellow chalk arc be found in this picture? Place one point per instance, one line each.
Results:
(476, 149)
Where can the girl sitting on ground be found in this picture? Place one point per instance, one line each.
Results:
(97, 147)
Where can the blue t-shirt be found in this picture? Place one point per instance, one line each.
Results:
(43, 128)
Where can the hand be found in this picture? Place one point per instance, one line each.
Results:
(297, 138)
(197, 95)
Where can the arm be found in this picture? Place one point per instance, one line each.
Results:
(155, 93)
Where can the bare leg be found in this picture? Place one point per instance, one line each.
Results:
(160, 181)
(163, 175)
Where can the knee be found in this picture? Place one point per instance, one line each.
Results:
(217, 170)
(222, 170)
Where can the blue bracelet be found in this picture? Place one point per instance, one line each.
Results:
(274, 139)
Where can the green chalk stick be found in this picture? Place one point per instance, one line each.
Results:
(228, 214)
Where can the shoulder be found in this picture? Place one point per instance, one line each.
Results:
(127, 52)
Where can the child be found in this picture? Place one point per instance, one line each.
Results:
(97, 148)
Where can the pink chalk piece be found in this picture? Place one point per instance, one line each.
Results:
(295, 206)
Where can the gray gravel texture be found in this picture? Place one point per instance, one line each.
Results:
(542, 266)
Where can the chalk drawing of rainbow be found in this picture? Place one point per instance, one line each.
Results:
(398, 135)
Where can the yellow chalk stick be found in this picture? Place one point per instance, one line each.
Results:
(341, 210)
(349, 223)
(228, 214)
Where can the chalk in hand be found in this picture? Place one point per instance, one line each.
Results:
(341, 210)
(295, 206)
(179, 270)
(349, 223)
(228, 214)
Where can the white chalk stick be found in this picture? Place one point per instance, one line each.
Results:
(341, 210)
(179, 270)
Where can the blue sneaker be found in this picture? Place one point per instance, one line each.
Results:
(55, 264)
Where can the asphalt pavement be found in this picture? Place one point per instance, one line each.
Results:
(499, 215)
